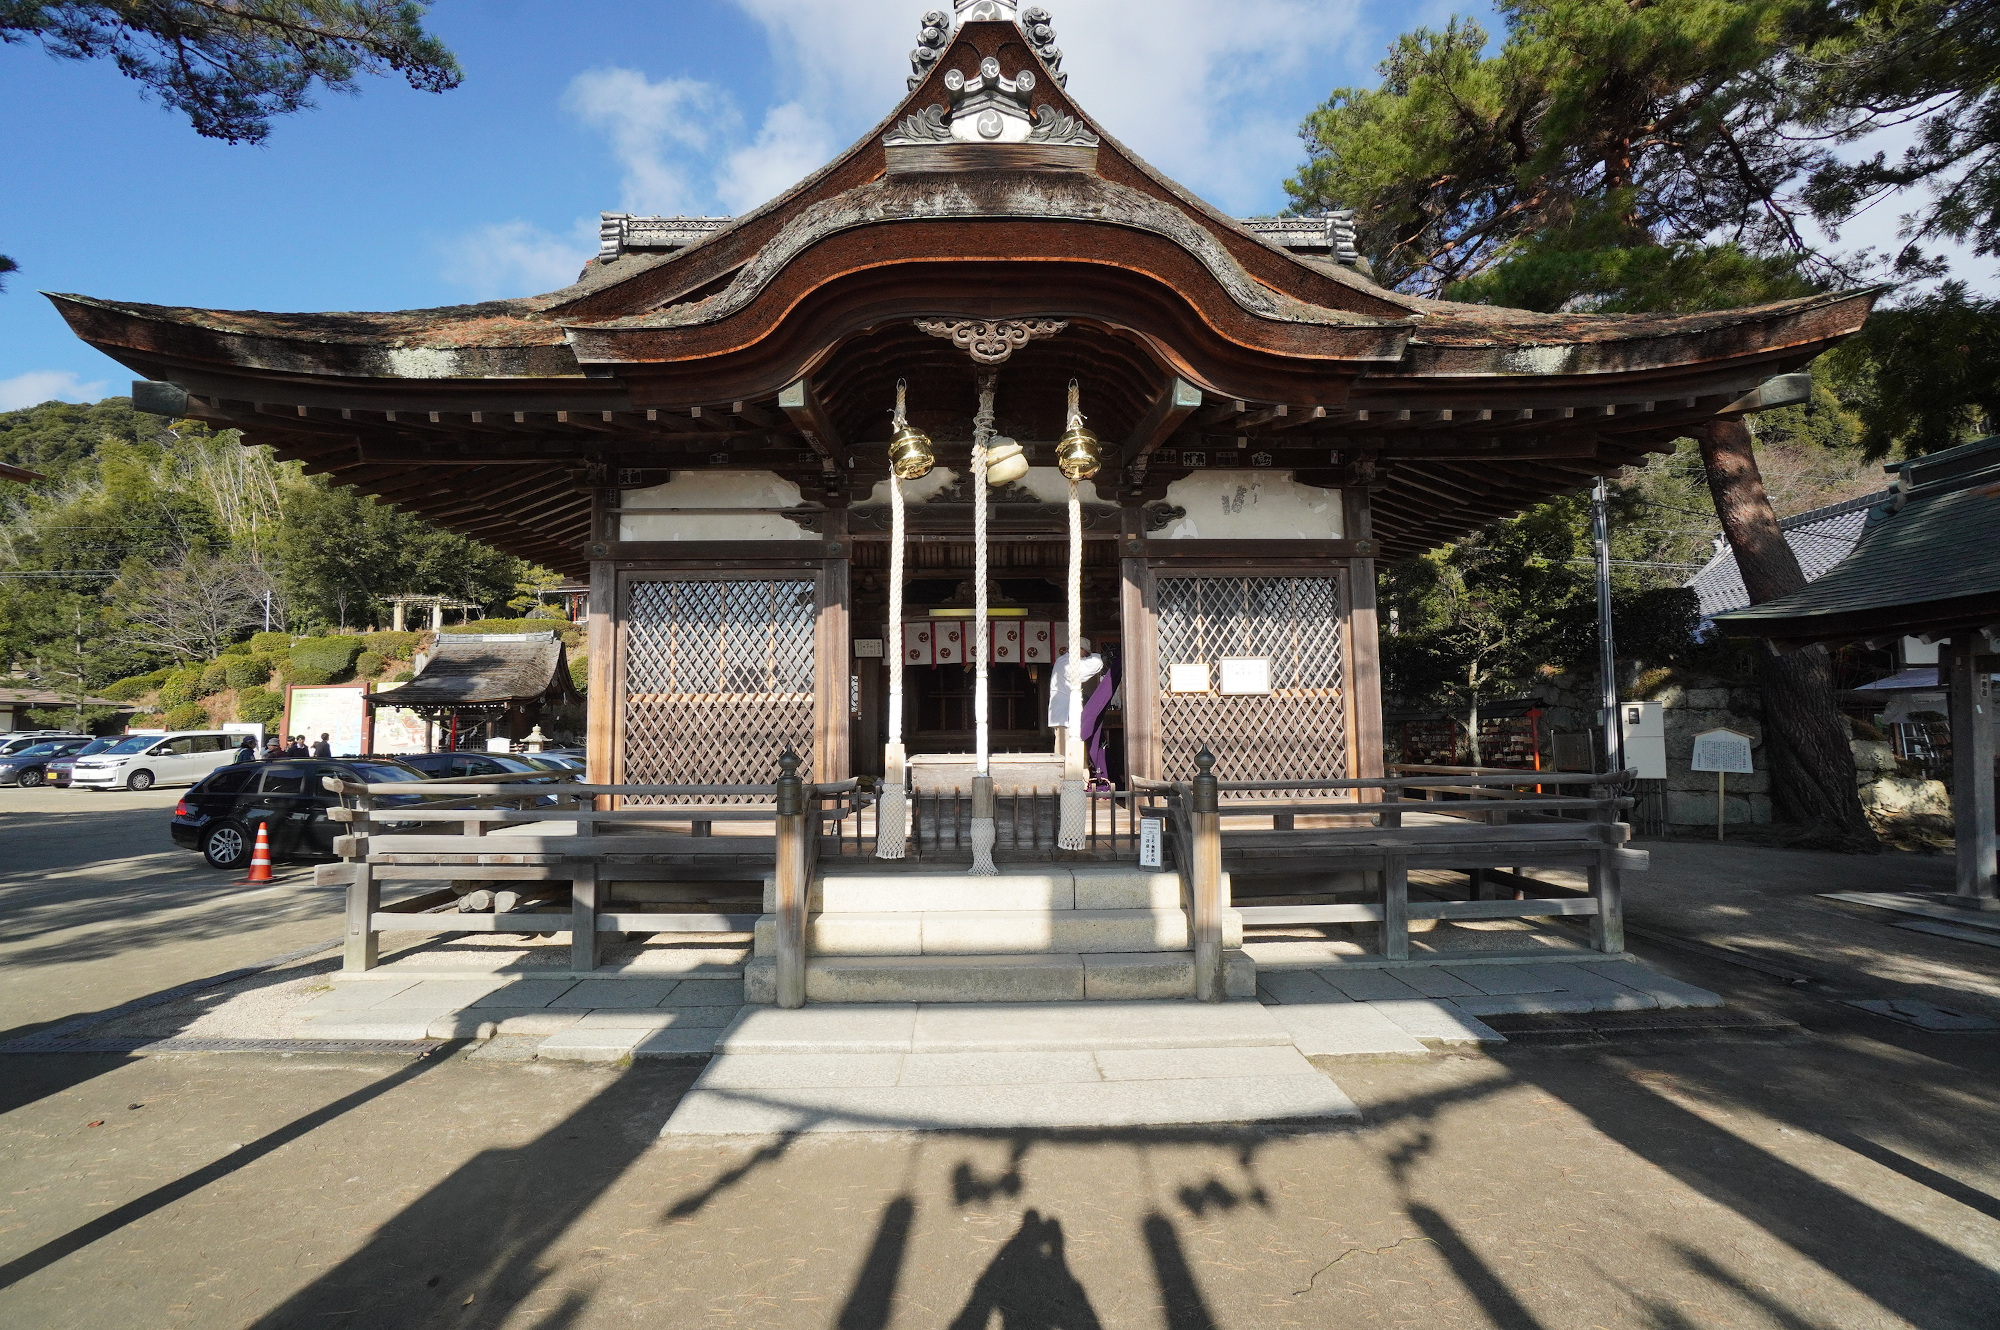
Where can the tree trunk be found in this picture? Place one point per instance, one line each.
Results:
(1812, 767)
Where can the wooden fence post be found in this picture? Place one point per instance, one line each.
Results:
(362, 949)
(1206, 880)
(1395, 906)
(1607, 888)
(791, 881)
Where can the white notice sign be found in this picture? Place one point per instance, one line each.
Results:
(1245, 675)
(868, 648)
(1149, 842)
(1722, 750)
(1187, 678)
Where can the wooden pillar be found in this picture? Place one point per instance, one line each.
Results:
(1364, 675)
(1205, 881)
(791, 884)
(1139, 633)
(606, 671)
(833, 655)
(1970, 698)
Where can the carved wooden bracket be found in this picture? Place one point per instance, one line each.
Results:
(991, 343)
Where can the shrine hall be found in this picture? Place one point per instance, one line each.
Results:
(851, 474)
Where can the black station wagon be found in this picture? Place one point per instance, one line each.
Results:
(219, 816)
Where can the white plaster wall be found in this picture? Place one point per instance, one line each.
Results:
(1046, 483)
(1253, 505)
(713, 489)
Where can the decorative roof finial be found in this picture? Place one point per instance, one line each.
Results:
(932, 38)
(1038, 24)
(987, 11)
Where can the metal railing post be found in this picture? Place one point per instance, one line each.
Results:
(1206, 880)
(791, 881)
(1607, 926)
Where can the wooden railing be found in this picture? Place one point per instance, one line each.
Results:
(1367, 831)
(446, 835)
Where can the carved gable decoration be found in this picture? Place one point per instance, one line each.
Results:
(991, 121)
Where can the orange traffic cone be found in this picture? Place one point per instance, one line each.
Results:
(260, 857)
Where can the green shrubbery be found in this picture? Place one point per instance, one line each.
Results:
(404, 676)
(332, 657)
(579, 673)
(392, 645)
(367, 665)
(214, 677)
(307, 676)
(258, 706)
(570, 633)
(181, 687)
(276, 644)
(187, 716)
(242, 648)
(126, 690)
(247, 671)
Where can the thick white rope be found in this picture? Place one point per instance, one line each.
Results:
(1072, 809)
(984, 833)
(892, 812)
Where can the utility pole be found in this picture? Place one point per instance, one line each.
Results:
(1607, 648)
(267, 609)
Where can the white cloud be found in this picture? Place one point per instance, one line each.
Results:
(47, 385)
(517, 258)
(793, 144)
(650, 124)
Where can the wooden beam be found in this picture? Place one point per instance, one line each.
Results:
(1169, 409)
(809, 414)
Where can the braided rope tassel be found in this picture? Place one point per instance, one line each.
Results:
(1072, 811)
(984, 832)
(892, 812)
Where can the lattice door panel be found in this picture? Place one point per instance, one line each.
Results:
(1298, 730)
(718, 680)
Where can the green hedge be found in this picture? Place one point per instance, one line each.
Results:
(258, 706)
(331, 656)
(393, 645)
(214, 677)
(367, 665)
(307, 675)
(180, 688)
(579, 673)
(570, 633)
(242, 648)
(187, 716)
(127, 690)
(404, 676)
(246, 671)
(276, 644)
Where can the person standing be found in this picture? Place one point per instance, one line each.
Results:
(324, 748)
(297, 747)
(274, 748)
(1059, 690)
(247, 750)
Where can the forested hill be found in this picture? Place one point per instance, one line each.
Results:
(153, 542)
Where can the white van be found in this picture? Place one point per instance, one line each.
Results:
(141, 761)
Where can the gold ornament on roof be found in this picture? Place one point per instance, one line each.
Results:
(1079, 452)
(910, 453)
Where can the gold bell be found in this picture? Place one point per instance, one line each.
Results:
(910, 454)
(1078, 452)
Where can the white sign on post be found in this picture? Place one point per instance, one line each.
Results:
(1149, 842)
(1722, 751)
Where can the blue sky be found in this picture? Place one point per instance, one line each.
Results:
(395, 199)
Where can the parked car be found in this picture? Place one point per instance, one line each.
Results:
(141, 761)
(465, 764)
(14, 743)
(552, 761)
(58, 770)
(29, 766)
(219, 816)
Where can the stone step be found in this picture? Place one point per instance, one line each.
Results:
(865, 888)
(994, 932)
(1044, 977)
(1000, 1027)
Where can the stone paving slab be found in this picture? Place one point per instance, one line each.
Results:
(705, 1111)
(468, 1023)
(1031, 1027)
(640, 993)
(527, 993)
(1197, 1064)
(1528, 1004)
(822, 1027)
(1345, 1029)
(1439, 1022)
(659, 1018)
(411, 1023)
(1369, 985)
(1667, 992)
(1295, 986)
(998, 1069)
(1505, 980)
